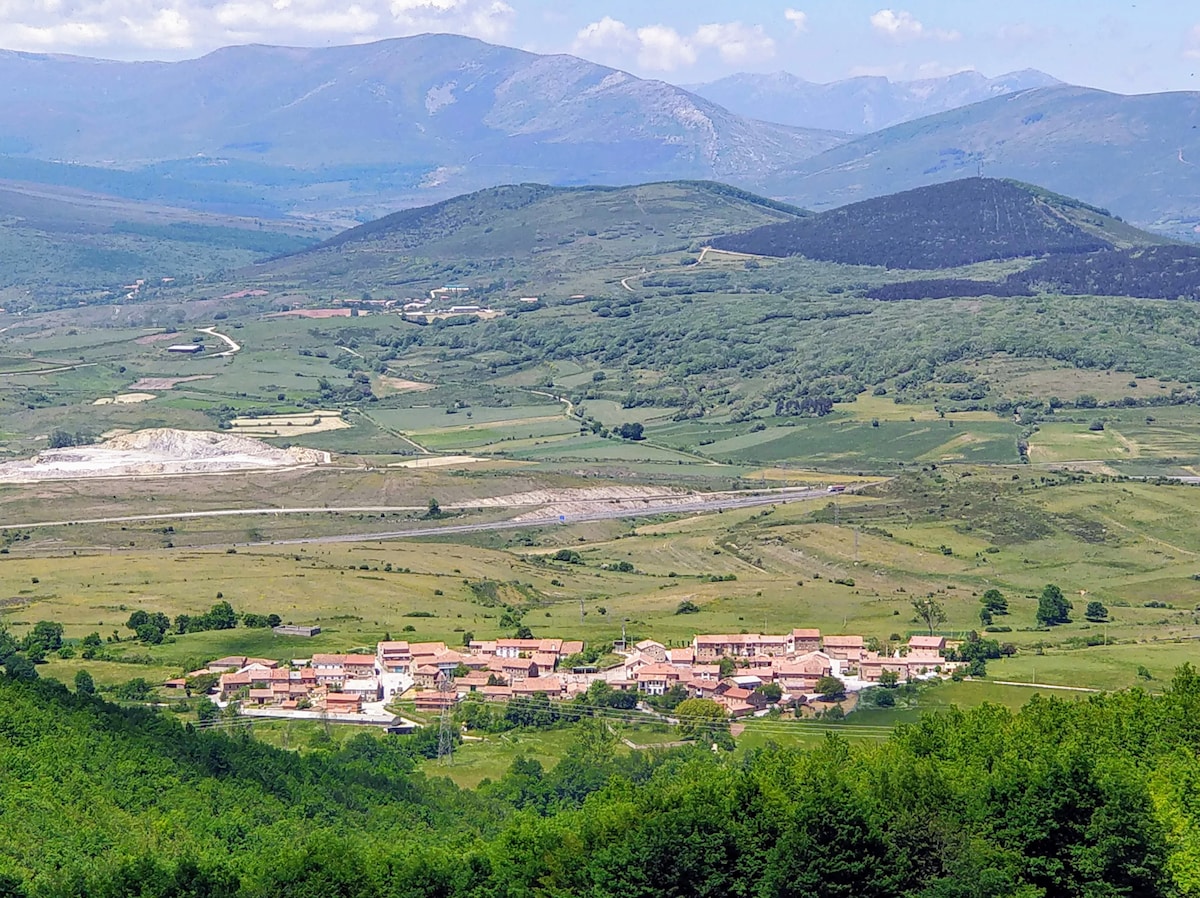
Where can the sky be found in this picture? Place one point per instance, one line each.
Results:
(1150, 45)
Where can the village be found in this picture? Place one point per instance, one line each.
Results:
(730, 669)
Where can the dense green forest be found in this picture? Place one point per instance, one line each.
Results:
(1096, 797)
(943, 226)
(1155, 272)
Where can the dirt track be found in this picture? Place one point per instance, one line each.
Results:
(596, 507)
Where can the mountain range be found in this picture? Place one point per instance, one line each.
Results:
(378, 125)
(1137, 156)
(344, 135)
(859, 105)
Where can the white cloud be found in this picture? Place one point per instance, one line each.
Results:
(487, 19)
(736, 42)
(170, 28)
(606, 34)
(252, 18)
(67, 35)
(662, 48)
(798, 18)
(1191, 48)
(903, 26)
(128, 28)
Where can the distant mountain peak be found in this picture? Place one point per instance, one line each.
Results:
(861, 104)
(395, 123)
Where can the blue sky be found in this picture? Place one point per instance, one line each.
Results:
(1130, 47)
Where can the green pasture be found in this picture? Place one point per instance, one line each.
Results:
(1076, 442)
(855, 445)
(1100, 667)
(489, 757)
(612, 414)
(496, 438)
(599, 449)
(430, 418)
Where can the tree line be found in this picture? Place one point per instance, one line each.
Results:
(1078, 798)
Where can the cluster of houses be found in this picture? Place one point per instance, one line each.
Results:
(728, 668)
(796, 662)
(333, 683)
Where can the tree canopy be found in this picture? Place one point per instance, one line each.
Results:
(1077, 798)
(1053, 607)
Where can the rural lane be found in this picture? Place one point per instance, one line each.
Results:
(228, 341)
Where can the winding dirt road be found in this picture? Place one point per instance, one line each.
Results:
(228, 341)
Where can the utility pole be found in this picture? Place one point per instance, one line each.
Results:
(445, 724)
(581, 609)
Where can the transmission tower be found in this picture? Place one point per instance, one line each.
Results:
(445, 688)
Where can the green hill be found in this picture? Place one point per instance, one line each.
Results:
(523, 230)
(59, 245)
(944, 226)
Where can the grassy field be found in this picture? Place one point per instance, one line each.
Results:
(1101, 667)
(491, 756)
(853, 566)
(846, 442)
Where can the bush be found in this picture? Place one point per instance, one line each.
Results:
(830, 689)
(84, 684)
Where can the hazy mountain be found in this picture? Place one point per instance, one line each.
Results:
(859, 105)
(1135, 155)
(945, 226)
(380, 123)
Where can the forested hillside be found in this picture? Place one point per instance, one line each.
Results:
(1156, 272)
(1066, 798)
(1159, 272)
(944, 226)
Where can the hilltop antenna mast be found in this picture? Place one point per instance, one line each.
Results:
(445, 688)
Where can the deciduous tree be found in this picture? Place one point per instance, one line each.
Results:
(929, 612)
